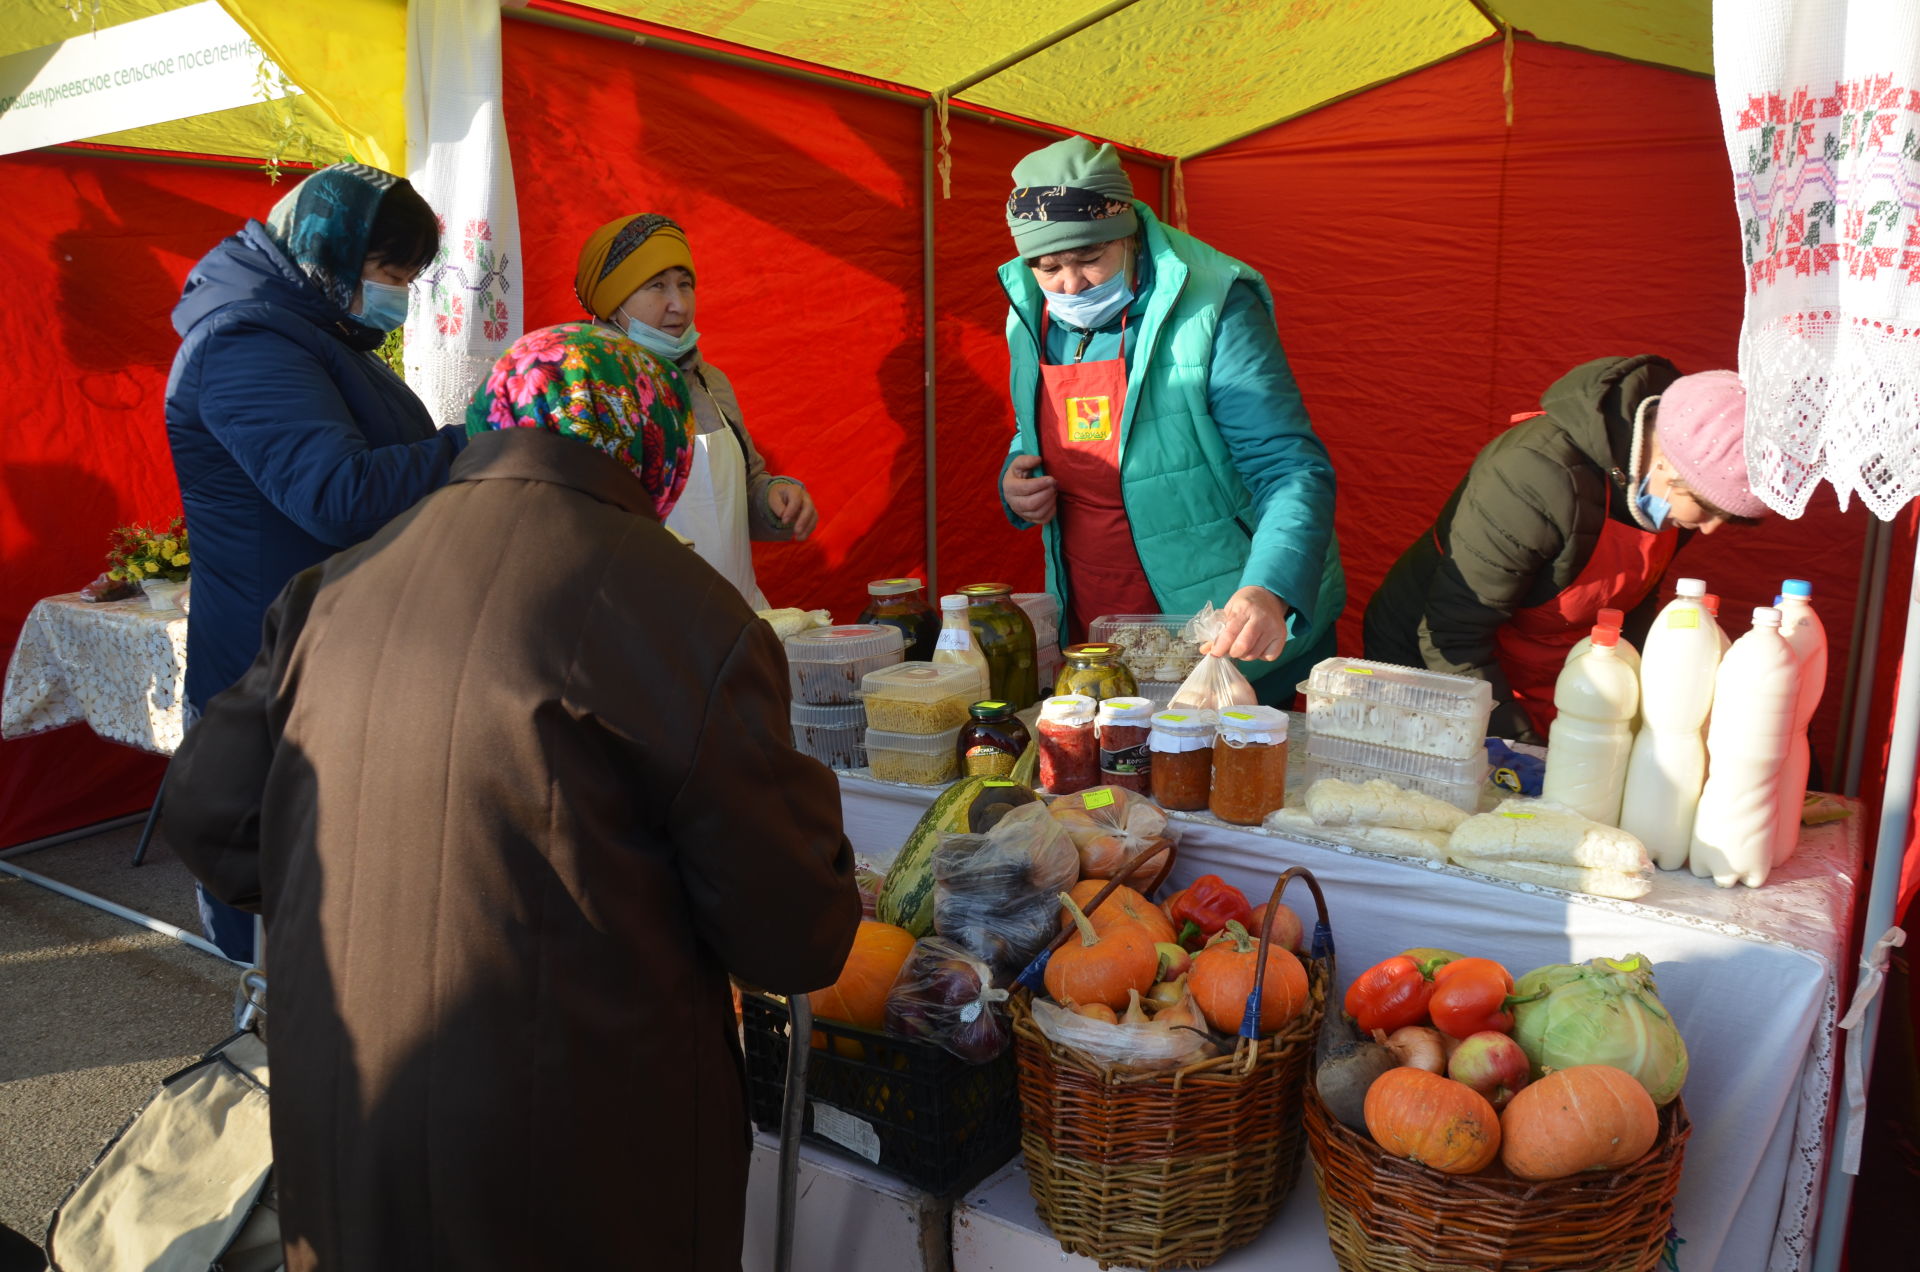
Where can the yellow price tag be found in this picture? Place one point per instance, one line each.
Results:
(1684, 618)
(1099, 799)
(1519, 816)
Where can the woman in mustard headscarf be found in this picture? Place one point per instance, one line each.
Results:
(636, 275)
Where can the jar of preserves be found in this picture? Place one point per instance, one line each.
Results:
(902, 603)
(1182, 748)
(1122, 726)
(991, 740)
(1097, 672)
(1249, 765)
(1005, 635)
(1069, 759)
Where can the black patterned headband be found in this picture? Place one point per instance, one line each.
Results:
(1063, 203)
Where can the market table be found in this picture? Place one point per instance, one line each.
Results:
(118, 666)
(1751, 976)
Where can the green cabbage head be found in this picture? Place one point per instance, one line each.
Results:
(1604, 1011)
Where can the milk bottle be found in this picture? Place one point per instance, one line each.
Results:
(1588, 745)
(1617, 620)
(1669, 761)
(1754, 699)
(1802, 630)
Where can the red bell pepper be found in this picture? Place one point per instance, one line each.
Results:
(1389, 995)
(1204, 908)
(1470, 996)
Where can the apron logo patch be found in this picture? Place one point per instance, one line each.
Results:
(1090, 419)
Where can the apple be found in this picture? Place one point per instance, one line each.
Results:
(1492, 1064)
(1174, 960)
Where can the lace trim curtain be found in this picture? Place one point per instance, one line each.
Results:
(1820, 103)
(470, 305)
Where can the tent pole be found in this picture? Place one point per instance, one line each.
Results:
(927, 160)
(1869, 659)
(1040, 45)
(1849, 691)
(1896, 811)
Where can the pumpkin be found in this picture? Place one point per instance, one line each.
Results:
(1222, 980)
(1589, 1117)
(1123, 905)
(1432, 1120)
(1113, 967)
(859, 997)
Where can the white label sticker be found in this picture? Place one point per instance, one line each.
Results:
(854, 1134)
(954, 638)
(970, 1013)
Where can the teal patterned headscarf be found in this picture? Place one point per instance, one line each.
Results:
(583, 380)
(324, 223)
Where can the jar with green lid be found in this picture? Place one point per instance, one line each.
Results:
(1005, 636)
(991, 740)
(902, 603)
(1096, 671)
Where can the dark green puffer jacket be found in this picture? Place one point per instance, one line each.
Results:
(1517, 530)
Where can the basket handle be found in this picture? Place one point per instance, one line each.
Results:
(1322, 946)
(1035, 973)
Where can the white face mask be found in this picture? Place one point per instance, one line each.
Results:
(655, 341)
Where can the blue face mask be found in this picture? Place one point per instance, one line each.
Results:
(659, 343)
(1096, 306)
(382, 305)
(1653, 505)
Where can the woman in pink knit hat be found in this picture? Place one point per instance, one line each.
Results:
(1576, 508)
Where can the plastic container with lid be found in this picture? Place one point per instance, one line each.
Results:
(1458, 782)
(1044, 612)
(991, 741)
(1094, 670)
(921, 759)
(1406, 707)
(902, 603)
(1121, 727)
(834, 735)
(1069, 757)
(1005, 636)
(1152, 645)
(1249, 765)
(1182, 747)
(919, 697)
(826, 665)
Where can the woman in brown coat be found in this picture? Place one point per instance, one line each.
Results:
(512, 784)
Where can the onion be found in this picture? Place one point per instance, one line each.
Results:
(1415, 1047)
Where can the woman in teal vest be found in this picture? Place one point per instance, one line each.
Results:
(1161, 443)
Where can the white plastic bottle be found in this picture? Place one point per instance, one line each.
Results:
(1754, 698)
(1669, 762)
(1592, 735)
(956, 643)
(1623, 647)
(1801, 628)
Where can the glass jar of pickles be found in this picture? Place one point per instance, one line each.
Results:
(1249, 765)
(991, 740)
(1096, 671)
(902, 603)
(1005, 636)
(1182, 747)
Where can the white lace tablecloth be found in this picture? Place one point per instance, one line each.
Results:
(1751, 975)
(118, 666)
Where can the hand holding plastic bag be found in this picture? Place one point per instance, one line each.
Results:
(1215, 684)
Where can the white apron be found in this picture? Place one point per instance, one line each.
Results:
(712, 511)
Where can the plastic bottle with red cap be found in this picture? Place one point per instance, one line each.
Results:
(1592, 736)
(1617, 620)
(1668, 766)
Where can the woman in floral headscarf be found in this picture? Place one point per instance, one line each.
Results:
(513, 785)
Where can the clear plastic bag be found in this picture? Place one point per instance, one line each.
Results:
(1109, 826)
(996, 895)
(1215, 684)
(1150, 1046)
(945, 996)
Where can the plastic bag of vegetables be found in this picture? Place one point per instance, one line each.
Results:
(995, 895)
(1603, 1011)
(946, 997)
(1110, 826)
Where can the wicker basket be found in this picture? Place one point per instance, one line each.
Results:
(1387, 1214)
(1169, 1169)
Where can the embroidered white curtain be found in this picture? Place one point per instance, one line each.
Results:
(1820, 104)
(470, 305)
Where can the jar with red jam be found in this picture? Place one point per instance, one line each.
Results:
(1069, 756)
(1122, 725)
(1249, 765)
(1182, 747)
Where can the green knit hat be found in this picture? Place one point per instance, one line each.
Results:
(1070, 194)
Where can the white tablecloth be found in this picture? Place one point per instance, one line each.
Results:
(1750, 975)
(118, 666)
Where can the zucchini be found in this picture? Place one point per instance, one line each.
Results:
(971, 805)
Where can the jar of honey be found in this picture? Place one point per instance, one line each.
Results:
(1249, 765)
(1182, 747)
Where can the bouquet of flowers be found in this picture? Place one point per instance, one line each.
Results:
(137, 553)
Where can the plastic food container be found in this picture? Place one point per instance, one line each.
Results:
(835, 736)
(927, 759)
(919, 697)
(1151, 645)
(1404, 707)
(826, 665)
(1458, 782)
(1044, 611)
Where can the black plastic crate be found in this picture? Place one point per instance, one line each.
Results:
(908, 1107)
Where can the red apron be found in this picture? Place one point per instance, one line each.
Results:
(1081, 406)
(1532, 645)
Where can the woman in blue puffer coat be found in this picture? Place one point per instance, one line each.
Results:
(291, 438)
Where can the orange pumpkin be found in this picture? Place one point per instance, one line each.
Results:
(1222, 980)
(859, 997)
(1589, 1117)
(1432, 1119)
(1123, 905)
(1110, 967)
